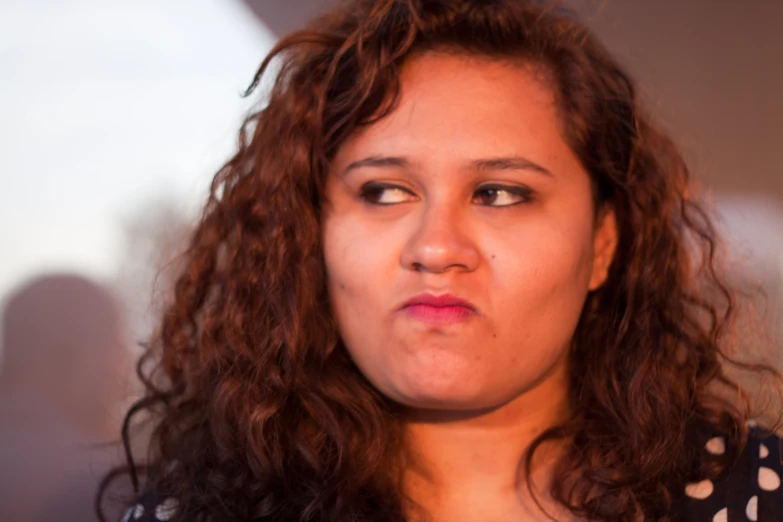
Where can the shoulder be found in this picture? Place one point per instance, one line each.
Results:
(151, 508)
(750, 491)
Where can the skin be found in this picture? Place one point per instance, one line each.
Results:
(526, 255)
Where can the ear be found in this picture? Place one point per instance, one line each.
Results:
(604, 245)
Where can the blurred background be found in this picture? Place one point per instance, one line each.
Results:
(114, 116)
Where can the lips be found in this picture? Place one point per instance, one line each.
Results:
(442, 300)
(439, 309)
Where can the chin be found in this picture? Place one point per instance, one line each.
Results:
(456, 395)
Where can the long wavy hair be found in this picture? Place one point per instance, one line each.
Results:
(258, 409)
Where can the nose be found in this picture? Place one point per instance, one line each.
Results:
(440, 241)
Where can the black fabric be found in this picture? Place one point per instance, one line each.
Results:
(751, 491)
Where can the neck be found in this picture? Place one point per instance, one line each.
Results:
(463, 462)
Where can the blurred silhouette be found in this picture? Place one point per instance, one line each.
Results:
(154, 235)
(753, 226)
(63, 378)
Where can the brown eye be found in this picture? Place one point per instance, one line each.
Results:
(382, 194)
(502, 196)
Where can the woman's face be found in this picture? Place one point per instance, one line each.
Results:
(466, 190)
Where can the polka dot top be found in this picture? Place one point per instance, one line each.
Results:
(750, 492)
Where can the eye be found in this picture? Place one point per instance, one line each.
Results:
(502, 195)
(376, 193)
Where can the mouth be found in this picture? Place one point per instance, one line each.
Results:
(439, 309)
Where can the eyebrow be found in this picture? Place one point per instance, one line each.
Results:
(378, 161)
(509, 163)
(499, 163)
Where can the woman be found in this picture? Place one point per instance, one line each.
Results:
(452, 273)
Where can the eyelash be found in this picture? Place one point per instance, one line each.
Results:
(368, 189)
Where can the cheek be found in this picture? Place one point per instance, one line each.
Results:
(556, 247)
(357, 267)
(544, 277)
(343, 271)
(552, 261)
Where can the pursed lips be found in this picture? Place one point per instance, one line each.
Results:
(439, 309)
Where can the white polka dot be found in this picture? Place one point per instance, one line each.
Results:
(138, 512)
(166, 510)
(716, 445)
(128, 514)
(751, 510)
(763, 451)
(768, 479)
(721, 516)
(700, 490)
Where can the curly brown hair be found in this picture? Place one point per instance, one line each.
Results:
(259, 410)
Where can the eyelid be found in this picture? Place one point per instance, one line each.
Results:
(516, 189)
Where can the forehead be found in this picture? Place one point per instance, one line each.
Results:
(427, 70)
(466, 105)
